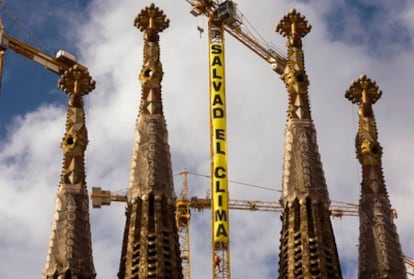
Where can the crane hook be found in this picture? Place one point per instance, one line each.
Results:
(201, 30)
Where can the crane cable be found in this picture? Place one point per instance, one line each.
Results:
(344, 204)
(255, 34)
(24, 29)
(237, 182)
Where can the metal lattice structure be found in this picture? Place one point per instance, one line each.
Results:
(233, 24)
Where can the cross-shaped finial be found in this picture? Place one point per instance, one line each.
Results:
(76, 81)
(363, 91)
(151, 19)
(293, 25)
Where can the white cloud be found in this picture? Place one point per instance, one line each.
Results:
(30, 160)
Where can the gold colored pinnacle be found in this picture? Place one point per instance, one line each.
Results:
(293, 24)
(151, 18)
(363, 91)
(76, 81)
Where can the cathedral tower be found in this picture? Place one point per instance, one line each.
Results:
(307, 248)
(380, 253)
(70, 251)
(150, 246)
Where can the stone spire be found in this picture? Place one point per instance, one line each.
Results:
(70, 251)
(307, 248)
(150, 246)
(380, 253)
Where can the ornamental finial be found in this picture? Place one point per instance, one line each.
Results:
(151, 20)
(363, 91)
(76, 81)
(294, 26)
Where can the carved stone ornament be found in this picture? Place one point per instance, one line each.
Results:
(307, 244)
(380, 253)
(150, 245)
(70, 247)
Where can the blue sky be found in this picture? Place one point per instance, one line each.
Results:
(347, 38)
(47, 26)
(373, 25)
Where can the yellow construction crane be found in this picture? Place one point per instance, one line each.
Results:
(224, 16)
(184, 204)
(337, 210)
(232, 22)
(62, 62)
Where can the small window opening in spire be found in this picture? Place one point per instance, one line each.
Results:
(375, 149)
(300, 77)
(148, 73)
(69, 140)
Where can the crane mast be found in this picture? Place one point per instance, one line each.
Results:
(218, 146)
(223, 15)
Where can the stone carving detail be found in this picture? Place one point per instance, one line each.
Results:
(150, 245)
(307, 248)
(151, 159)
(70, 249)
(302, 169)
(151, 21)
(294, 26)
(380, 253)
